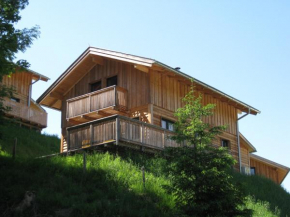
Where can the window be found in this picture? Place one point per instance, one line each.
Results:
(112, 81)
(96, 86)
(166, 124)
(253, 170)
(14, 99)
(225, 143)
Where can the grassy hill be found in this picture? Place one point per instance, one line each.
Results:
(111, 186)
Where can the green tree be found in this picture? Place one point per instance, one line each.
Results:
(199, 171)
(12, 41)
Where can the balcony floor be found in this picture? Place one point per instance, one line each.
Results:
(102, 113)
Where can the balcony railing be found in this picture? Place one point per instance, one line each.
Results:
(113, 96)
(26, 113)
(118, 129)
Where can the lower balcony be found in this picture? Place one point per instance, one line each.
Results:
(32, 115)
(117, 130)
(97, 104)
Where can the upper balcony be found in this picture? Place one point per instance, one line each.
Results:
(32, 115)
(97, 104)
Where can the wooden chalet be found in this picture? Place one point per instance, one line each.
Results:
(108, 97)
(24, 110)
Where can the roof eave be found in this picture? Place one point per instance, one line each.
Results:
(256, 157)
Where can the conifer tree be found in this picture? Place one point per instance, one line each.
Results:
(199, 171)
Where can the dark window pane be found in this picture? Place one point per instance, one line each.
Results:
(170, 126)
(14, 99)
(225, 143)
(163, 124)
(253, 170)
(96, 86)
(166, 124)
(112, 81)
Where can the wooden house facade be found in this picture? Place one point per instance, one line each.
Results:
(108, 97)
(23, 109)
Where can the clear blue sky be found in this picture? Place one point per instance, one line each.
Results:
(240, 47)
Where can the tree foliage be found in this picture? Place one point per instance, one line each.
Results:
(199, 172)
(12, 41)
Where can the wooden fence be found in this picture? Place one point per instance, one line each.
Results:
(107, 97)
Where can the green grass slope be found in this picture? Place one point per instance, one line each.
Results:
(29, 142)
(111, 186)
(263, 189)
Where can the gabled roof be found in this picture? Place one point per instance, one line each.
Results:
(90, 57)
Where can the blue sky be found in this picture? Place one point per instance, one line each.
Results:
(239, 47)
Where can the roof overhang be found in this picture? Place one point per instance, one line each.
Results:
(37, 76)
(91, 56)
(282, 170)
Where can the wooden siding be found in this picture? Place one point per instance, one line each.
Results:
(20, 82)
(129, 78)
(245, 156)
(265, 170)
(167, 93)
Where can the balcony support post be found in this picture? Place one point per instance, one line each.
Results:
(90, 107)
(67, 109)
(115, 92)
(68, 141)
(92, 134)
(163, 139)
(142, 133)
(117, 130)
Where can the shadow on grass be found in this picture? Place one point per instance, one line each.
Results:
(60, 183)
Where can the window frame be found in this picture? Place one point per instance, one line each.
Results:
(253, 169)
(167, 122)
(228, 143)
(14, 99)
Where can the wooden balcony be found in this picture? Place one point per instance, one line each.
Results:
(97, 104)
(117, 130)
(30, 115)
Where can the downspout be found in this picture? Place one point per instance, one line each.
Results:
(30, 89)
(238, 138)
